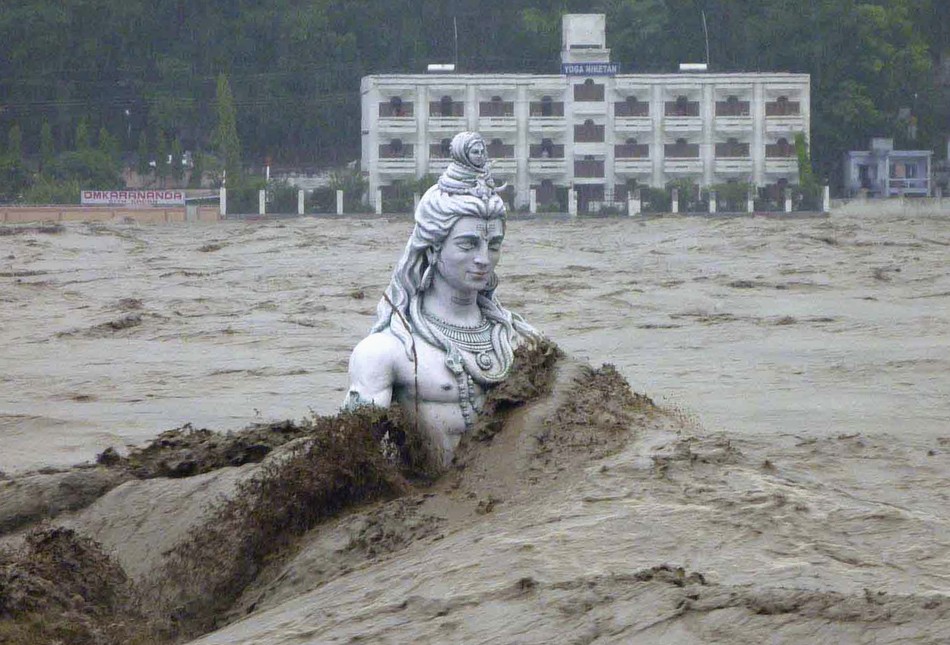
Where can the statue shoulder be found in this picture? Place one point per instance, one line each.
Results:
(377, 351)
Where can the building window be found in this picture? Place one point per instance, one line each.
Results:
(631, 150)
(732, 106)
(496, 107)
(682, 107)
(589, 91)
(682, 150)
(395, 149)
(441, 150)
(589, 132)
(546, 150)
(631, 106)
(732, 148)
(781, 148)
(499, 150)
(445, 106)
(395, 107)
(546, 107)
(782, 107)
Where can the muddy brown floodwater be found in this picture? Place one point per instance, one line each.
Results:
(791, 484)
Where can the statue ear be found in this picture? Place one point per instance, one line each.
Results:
(432, 256)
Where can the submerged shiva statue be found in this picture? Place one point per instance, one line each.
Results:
(441, 337)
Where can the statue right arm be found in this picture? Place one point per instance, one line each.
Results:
(373, 371)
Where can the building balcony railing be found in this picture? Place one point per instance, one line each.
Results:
(546, 167)
(734, 123)
(682, 124)
(590, 107)
(682, 166)
(504, 169)
(633, 166)
(398, 166)
(633, 124)
(587, 168)
(497, 124)
(448, 123)
(784, 124)
(908, 186)
(726, 166)
(396, 125)
(546, 124)
(781, 166)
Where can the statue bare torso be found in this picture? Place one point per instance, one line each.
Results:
(381, 373)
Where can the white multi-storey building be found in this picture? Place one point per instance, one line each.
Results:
(589, 128)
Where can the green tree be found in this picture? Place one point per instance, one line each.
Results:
(177, 171)
(109, 145)
(82, 135)
(15, 142)
(225, 139)
(161, 161)
(143, 166)
(47, 147)
(197, 169)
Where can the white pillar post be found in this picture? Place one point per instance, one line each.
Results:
(712, 201)
(262, 202)
(339, 202)
(223, 201)
(533, 201)
(675, 200)
(750, 201)
(300, 202)
(379, 201)
(825, 199)
(633, 204)
(572, 202)
(788, 201)
(416, 198)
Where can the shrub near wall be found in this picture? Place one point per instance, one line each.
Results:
(732, 197)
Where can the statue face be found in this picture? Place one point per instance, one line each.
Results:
(477, 153)
(470, 253)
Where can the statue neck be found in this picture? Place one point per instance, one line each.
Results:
(452, 305)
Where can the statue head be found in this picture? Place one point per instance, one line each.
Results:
(465, 189)
(468, 148)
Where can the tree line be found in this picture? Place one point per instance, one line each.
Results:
(133, 79)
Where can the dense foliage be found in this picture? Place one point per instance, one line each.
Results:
(152, 76)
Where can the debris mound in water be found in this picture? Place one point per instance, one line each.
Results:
(188, 451)
(338, 464)
(61, 588)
